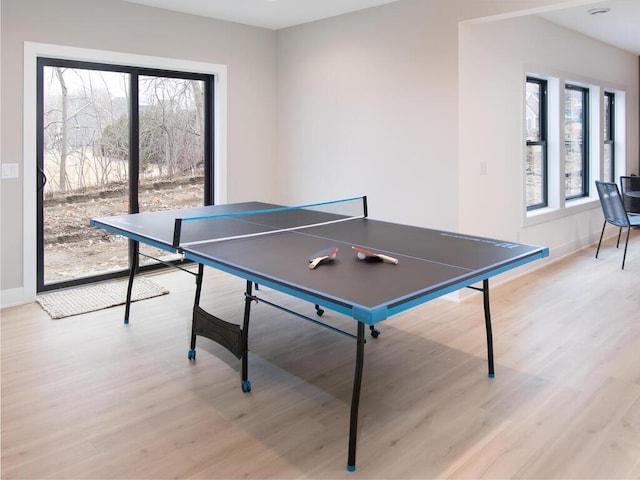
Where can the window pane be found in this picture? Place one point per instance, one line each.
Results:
(171, 143)
(574, 133)
(85, 160)
(535, 175)
(171, 147)
(609, 134)
(608, 163)
(536, 134)
(533, 109)
(607, 117)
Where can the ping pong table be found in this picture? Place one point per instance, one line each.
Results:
(270, 245)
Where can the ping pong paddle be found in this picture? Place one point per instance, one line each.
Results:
(368, 255)
(326, 255)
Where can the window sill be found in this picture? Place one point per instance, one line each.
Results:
(572, 207)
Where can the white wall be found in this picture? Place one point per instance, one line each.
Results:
(492, 80)
(404, 101)
(368, 104)
(248, 53)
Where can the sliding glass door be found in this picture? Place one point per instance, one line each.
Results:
(114, 140)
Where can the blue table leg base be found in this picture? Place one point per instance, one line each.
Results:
(351, 468)
(191, 354)
(246, 386)
(492, 375)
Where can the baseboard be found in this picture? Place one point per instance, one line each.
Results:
(13, 297)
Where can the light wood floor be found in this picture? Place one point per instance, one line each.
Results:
(87, 397)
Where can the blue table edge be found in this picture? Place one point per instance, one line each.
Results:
(368, 315)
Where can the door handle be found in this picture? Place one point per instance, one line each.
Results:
(42, 179)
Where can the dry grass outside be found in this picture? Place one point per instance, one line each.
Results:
(74, 249)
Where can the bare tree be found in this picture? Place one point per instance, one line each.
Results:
(88, 135)
(62, 182)
(172, 125)
(198, 97)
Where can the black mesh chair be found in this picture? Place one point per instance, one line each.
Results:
(630, 189)
(615, 213)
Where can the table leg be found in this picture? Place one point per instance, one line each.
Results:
(246, 384)
(355, 399)
(199, 276)
(133, 269)
(194, 321)
(487, 320)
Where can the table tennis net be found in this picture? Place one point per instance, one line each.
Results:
(241, 224)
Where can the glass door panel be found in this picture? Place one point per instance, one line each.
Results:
(171, 132)
(85, 161)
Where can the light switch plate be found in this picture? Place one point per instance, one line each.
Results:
(10, 170)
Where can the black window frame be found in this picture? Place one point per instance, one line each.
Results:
(542, 141)
(585, 140)
(610, 130)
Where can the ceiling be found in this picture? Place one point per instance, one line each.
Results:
(619, 27)
(273, 14)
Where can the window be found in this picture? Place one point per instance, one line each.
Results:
(609, 173)
(576, 141)
(536, 132)
(562, 157)
(115, 139)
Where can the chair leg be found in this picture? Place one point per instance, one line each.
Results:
(601, 235)
(624, 256)
(619, 233)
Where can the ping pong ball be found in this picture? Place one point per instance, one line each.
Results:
(361, 255)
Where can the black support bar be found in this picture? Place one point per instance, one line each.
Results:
(134, 252)
(304, 317)
(355, 399)
(487, 320)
